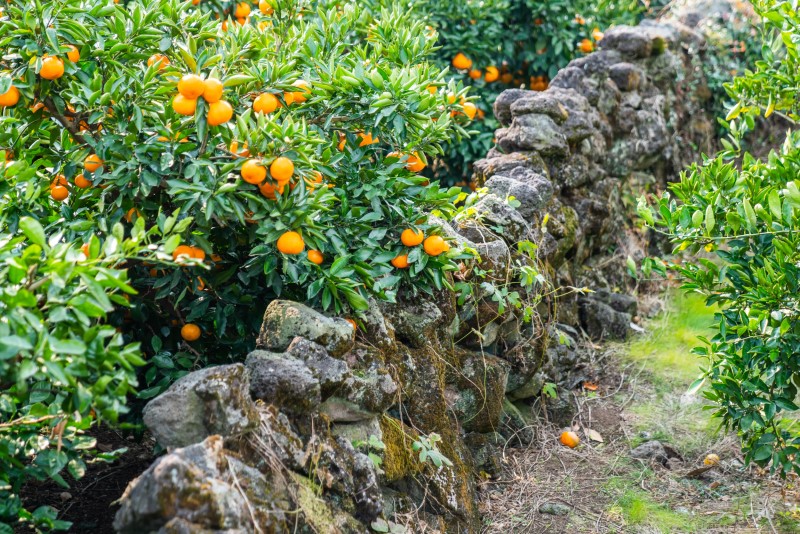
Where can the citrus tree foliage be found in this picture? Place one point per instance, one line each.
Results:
(287, 166)
(512, 44)
(747, 212)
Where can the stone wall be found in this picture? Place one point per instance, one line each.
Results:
(316, 430)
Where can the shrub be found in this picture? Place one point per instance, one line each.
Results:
(747, 211)
(110, 148)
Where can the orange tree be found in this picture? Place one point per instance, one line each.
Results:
(495, 45)
(214, 157)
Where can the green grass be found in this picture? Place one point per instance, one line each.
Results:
(672, 334)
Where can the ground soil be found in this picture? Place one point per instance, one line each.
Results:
(89, 503)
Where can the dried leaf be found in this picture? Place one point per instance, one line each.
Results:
(593, 435)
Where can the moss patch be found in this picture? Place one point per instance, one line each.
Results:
(399, 460)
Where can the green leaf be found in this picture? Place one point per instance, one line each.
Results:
(33, 230)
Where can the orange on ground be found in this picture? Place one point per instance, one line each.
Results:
(159, 60)
(265, 7)
(268, 190)
(82, 182)
(219, 113)
(435, 245)
(291, 243)
(470, 110)
(190, 332)
(265, 103)
(191, 86)
(315, 257)
(59, 192)
(586, 46)
(411, 238)
(711, 459)
(569, 439)
(180, 251)
(11, 97)
(475, 74)
(74, 54)
(281, 169)
(92, 162)
(184, 106)
(401, 261)
(213, 90)
(462, 62)
(492, 74)
(367, 139)
(242, 10)
(414, 163)
(52, 68)
(253, 172)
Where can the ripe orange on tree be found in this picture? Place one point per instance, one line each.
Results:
(461, 62)
(315, 257)
(242, 10)
(435, 245)
(82, 182)
(234, 148)
(213, 90)
(184, 106)
(411, 238)
(401, 261)
(159, 60)
(59, 179)
(52, 68)
(219, 113)
(415, 163)
(492, 74)
(302, 94)
(265, 7)
(181, 251)
(597, 35)
(569, 439)
(92, 162)
(130, 213)
(266, 103)
(191, 86)
(85, 249)
(281, 169)
(291, 243)
(367, 139)
(586, 46)
(59, 192)
(475, 74)
(470, 110)
(10, 97)
(74, 54)
(268, 190)
(253, 172)
(198, 253)
(190, 332)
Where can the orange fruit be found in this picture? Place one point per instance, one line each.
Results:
(219, 113)
(213, 90)
(59, 179)
(59, 192)
(711, 459)
(181, 251)
(475, 74)
(191, 86)
(431, 89)
(367, 139)
(85, 249)
(82, 182)
(401, 261)
(184, 106)
(316, 257)
(470, 110)
(242, 10)
(580, 20)
(492, 74)
(597, 35)
(198, 253)
(342, 141)
(74, 54)
(265, 7)
(281, 169)
(195, 2)
(268, 190)
(569, 439)
(507, 78)
(435, 245)
(234, 148)
(253, 172)
(302, 94)
(291, 243)
(190, 332)
(10, 98)
(411, 238)
(352, 323)
(462, 62)
(92, 162)
(241, 21)
(265, 103)
(130, 213)
(414, 163)
(586, 46)
(159, 60)
(52, 68)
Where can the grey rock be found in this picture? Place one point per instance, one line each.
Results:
(359, 431)
(283, 380)
(502, 105)
(650, 450)
(631, 42)
(542, 103)
(506, 163)
(513, 425)
(215, 400)
(477, 397)
(601, 321)
(507, 221)
(619, 301)
(532, 194)
(378, 330)
(330, 372)
(340, 410)
(529, 389)
(627, 76)
(284, 320)
(554, 508)
(534, 132)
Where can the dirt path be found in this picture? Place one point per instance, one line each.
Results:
(599, 487)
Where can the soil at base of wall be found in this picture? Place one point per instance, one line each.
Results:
(89, 503)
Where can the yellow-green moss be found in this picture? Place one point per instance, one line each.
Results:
(399, 460)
